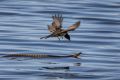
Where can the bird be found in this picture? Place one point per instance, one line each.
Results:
(56, 28)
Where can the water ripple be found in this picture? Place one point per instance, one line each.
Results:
(23, 22)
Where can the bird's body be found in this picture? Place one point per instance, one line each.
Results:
(56, 28)
(58, 34)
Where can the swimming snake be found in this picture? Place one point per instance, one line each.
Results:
(75, 55)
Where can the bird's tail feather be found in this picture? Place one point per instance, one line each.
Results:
(45, 37)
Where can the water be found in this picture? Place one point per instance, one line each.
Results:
(23, 22)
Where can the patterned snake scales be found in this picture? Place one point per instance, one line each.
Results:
(75, 55)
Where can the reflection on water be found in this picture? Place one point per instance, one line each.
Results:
(23, 22)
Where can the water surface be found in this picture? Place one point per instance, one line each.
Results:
(23, 22)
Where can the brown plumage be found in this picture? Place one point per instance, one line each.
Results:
(56, 28)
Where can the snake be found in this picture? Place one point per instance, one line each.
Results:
(75, 55)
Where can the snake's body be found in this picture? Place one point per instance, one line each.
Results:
(42, 55)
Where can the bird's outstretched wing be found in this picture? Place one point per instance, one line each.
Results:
(56, 24)
(74, 26)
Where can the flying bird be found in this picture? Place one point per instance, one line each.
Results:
(57, 30)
